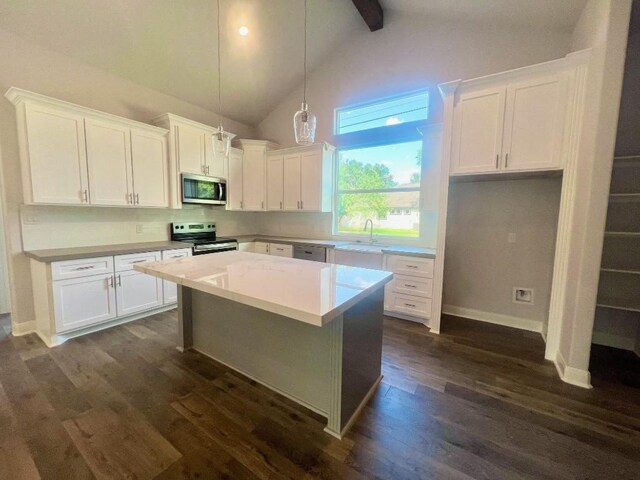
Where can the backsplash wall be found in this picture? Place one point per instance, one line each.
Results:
(58, 226)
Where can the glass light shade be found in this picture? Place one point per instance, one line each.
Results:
(221, 143)
(304, 126)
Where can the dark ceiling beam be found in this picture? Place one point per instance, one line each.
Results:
(371, 12)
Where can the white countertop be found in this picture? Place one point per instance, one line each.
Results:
(311, 292)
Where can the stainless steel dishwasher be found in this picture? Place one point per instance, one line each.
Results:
(310, 252)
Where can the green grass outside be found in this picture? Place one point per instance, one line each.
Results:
(392, 232)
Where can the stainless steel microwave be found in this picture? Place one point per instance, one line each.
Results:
(202, 189)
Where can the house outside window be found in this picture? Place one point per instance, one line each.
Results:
(380, 166)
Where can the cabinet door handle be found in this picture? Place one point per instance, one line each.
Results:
(280, 205)
(241, 204)
(497, 160)
(506, 160)
(301, 205)
(119, 281)
(111, 281)
(138, 198)
(262, 205)
(298, 204)
(86, 196)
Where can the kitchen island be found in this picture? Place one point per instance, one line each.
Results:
(310, 331)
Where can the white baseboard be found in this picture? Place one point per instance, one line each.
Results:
(571, 375)
(24, 328)
(495, 318)
(615, 341)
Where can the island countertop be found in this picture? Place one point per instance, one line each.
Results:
(311, 292)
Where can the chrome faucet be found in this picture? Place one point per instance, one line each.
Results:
(371, 232)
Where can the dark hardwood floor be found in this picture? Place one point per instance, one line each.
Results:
(477, 401)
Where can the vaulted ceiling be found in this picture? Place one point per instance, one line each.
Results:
(170, 46)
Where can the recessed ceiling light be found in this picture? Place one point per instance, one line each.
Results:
(244, 31)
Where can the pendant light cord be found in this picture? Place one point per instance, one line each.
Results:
(304, 93)
(219, 83)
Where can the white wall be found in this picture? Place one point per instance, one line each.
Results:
(411, 53)
(602, 26)
(33, 68)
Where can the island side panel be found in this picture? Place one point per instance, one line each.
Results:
(286, 355)
(185, 329)
(361, 354)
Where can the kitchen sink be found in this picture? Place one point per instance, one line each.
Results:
(361, 247)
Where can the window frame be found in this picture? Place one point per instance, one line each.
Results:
(388, 135)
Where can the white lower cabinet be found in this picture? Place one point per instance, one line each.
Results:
(136, 292)
(83, 301)
(281, 250)
(74, 294)
(170, 289)
(261, 247)
(409, 294)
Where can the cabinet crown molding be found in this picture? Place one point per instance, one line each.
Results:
(571, 60)
(245, 142)
(327, 147)
(166, 119)
(17, 96)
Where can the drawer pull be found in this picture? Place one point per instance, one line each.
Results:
(138, 261)
(411, 305)
(85, 268)
(411, 266)
(408, 285)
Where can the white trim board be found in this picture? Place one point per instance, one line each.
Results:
(495, 318)
(571, 375)
(23, 328)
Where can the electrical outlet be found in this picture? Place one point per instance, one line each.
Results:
(139, 228)
(511, 238)
(523, 295)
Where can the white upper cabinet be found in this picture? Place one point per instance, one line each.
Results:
(109, 161)
(252, 189)
(190, 151)
(478, 121)
(54, 156)
(311, 180)
(234, 182)
(79, 156)
(515, 125)
(275, 178)
(292, 169)
(308, 178)
(253, 177)
(534, 120)
(150, 169)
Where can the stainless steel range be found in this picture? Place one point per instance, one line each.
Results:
(203, 237)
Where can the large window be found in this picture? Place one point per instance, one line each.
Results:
(379, 166)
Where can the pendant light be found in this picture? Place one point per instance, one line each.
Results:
(221, 140)
(304, 122)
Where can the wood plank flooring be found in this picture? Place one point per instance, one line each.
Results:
(476, 402)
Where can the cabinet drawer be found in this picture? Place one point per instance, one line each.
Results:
(261, 247)
(126, 262)
(177, 253)
(407, 285)
(409, 305)
(82, 267)
(415, 266)
(280, 250)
